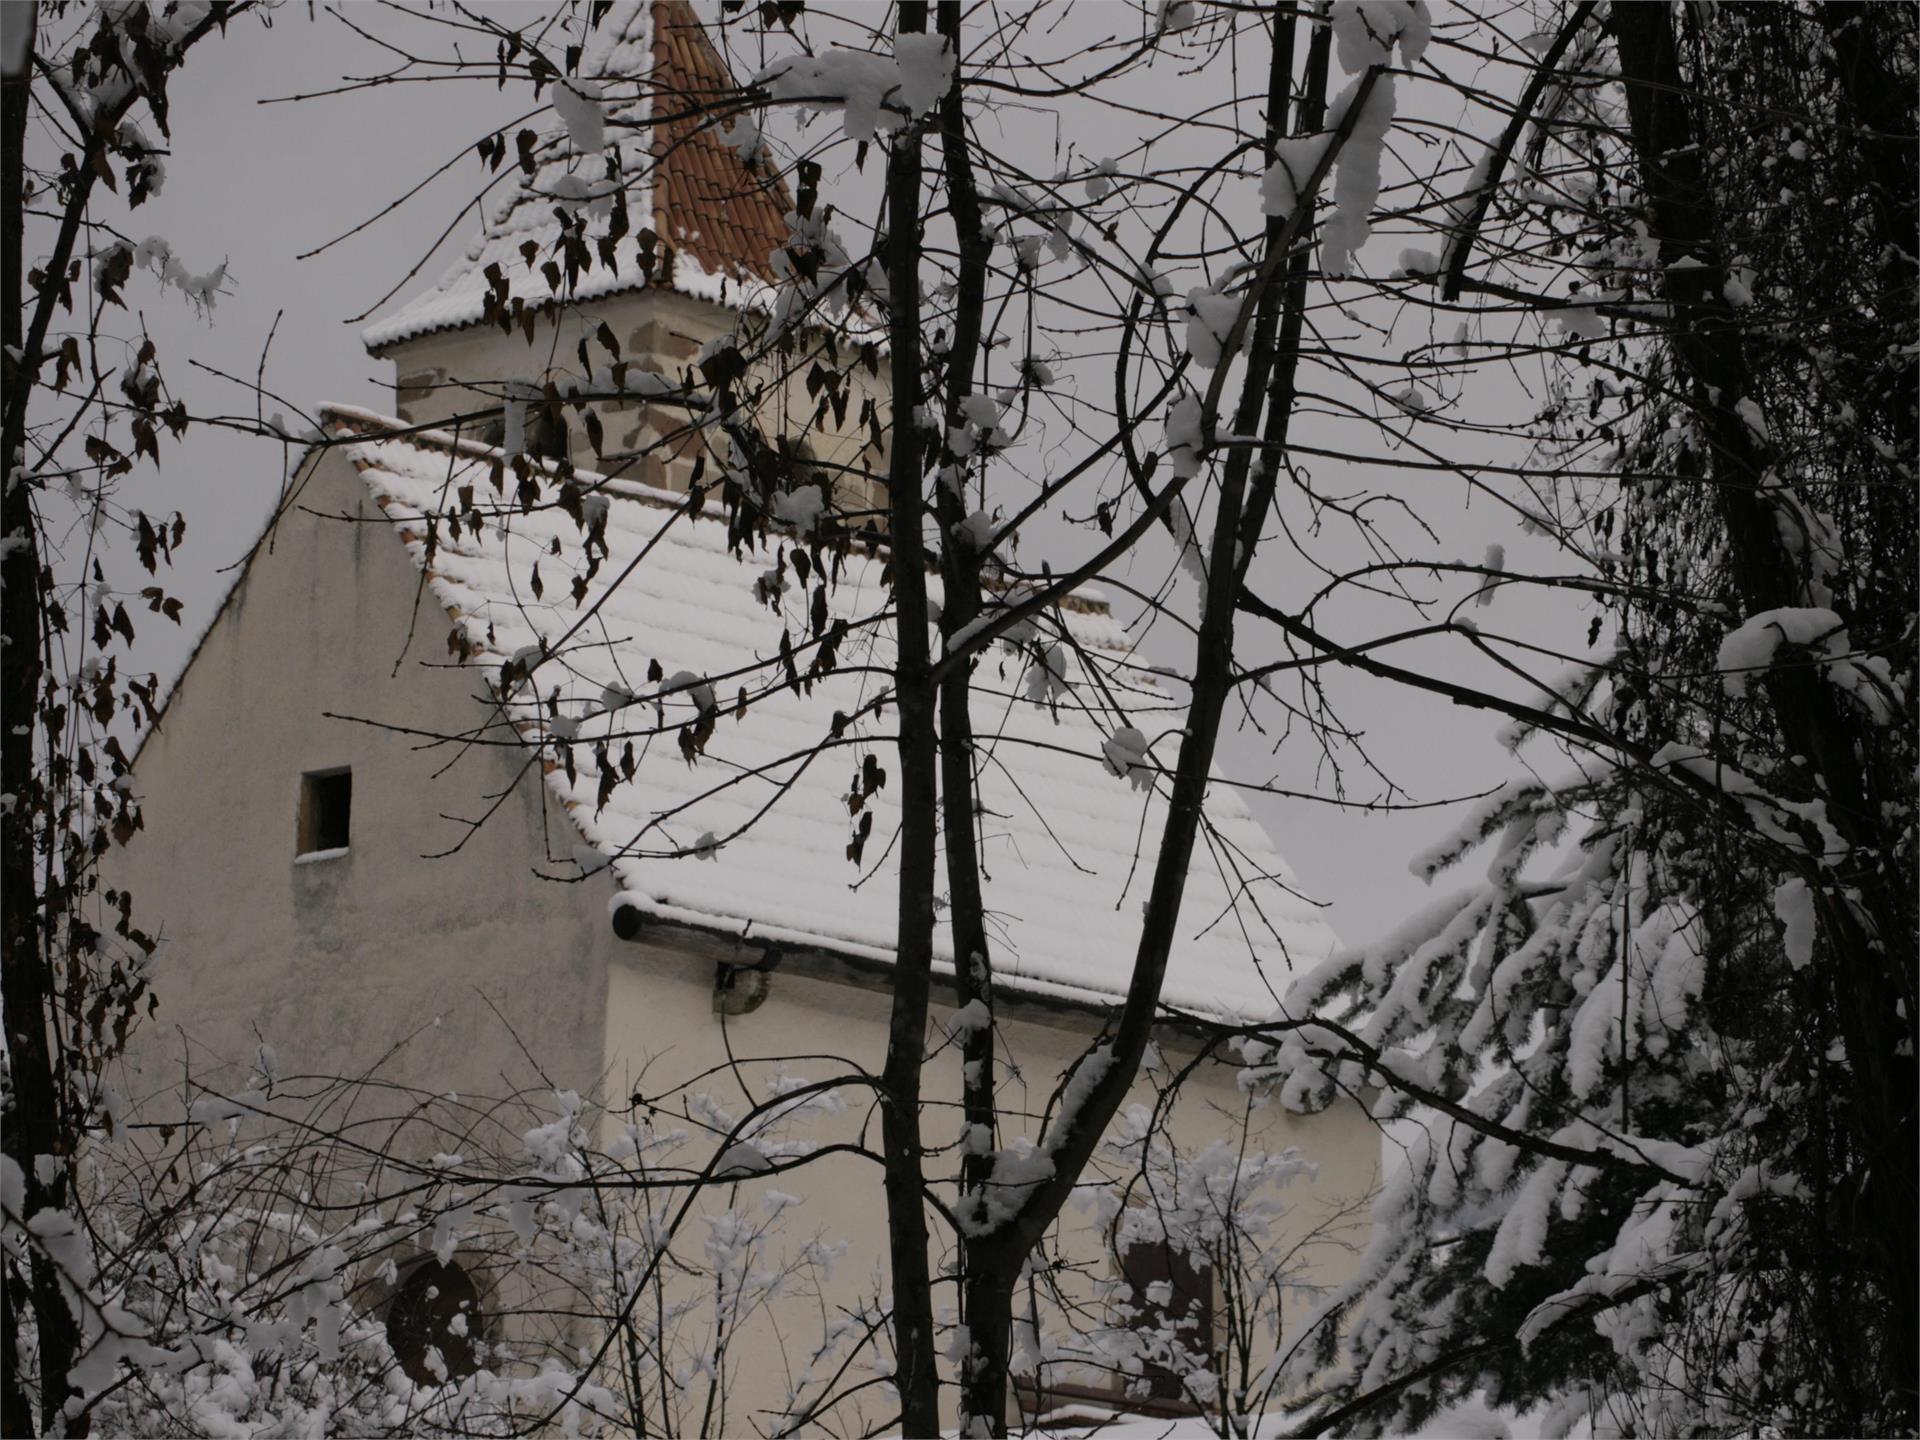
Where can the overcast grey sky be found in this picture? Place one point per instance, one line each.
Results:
(258, 184)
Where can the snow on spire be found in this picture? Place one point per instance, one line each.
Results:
(638, 124)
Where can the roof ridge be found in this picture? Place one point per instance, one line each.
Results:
(372, 426)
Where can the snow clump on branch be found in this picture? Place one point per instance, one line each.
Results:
(1356, 176)
(873, 92)
(1126, 755)
(577, 103)
(975, 532)
(1366, 32)
(1287, 179)
(1753, 647)
(1046, 679)
(1175, 16)
(822, 284)
(1793, 904)
(800, 508)
(156, 254)
(1186, 442)
(1211, 315)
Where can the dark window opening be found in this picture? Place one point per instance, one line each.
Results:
(1168, 1290)
(545, 435)
(326, 810)
(1164, 1289)
(433, 1322)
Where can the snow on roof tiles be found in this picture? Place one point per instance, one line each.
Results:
(661, 76)
(1059, 829)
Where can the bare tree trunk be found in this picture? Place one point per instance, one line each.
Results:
(986, 1292)
(994, 1262)
(33, 1124)
(1281, 391)
(1213, 681)
(916, 1377)
(38, 894)
(1873, 966)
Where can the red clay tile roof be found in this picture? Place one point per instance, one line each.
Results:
(716, 210)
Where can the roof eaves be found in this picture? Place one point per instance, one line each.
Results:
(1037, 996)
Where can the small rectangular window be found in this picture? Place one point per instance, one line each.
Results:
(326, 808)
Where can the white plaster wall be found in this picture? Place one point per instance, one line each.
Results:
(660, 330)
(335, 961)
(662, 1032)
(436, 374)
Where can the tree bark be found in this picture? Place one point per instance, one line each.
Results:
(33, 1124)
(1872, 959)
(916, 1376)
(995, 1260)
(986, 1290)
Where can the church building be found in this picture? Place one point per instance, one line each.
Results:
(519, 763)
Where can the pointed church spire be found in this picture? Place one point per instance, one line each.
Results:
(697, 218)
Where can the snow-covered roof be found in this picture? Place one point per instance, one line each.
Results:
(657, 76)
(1067, 828)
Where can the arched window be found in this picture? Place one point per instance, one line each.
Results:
(1172, 1294)
(433, 1321)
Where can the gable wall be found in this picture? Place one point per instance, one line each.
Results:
(336, 960)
